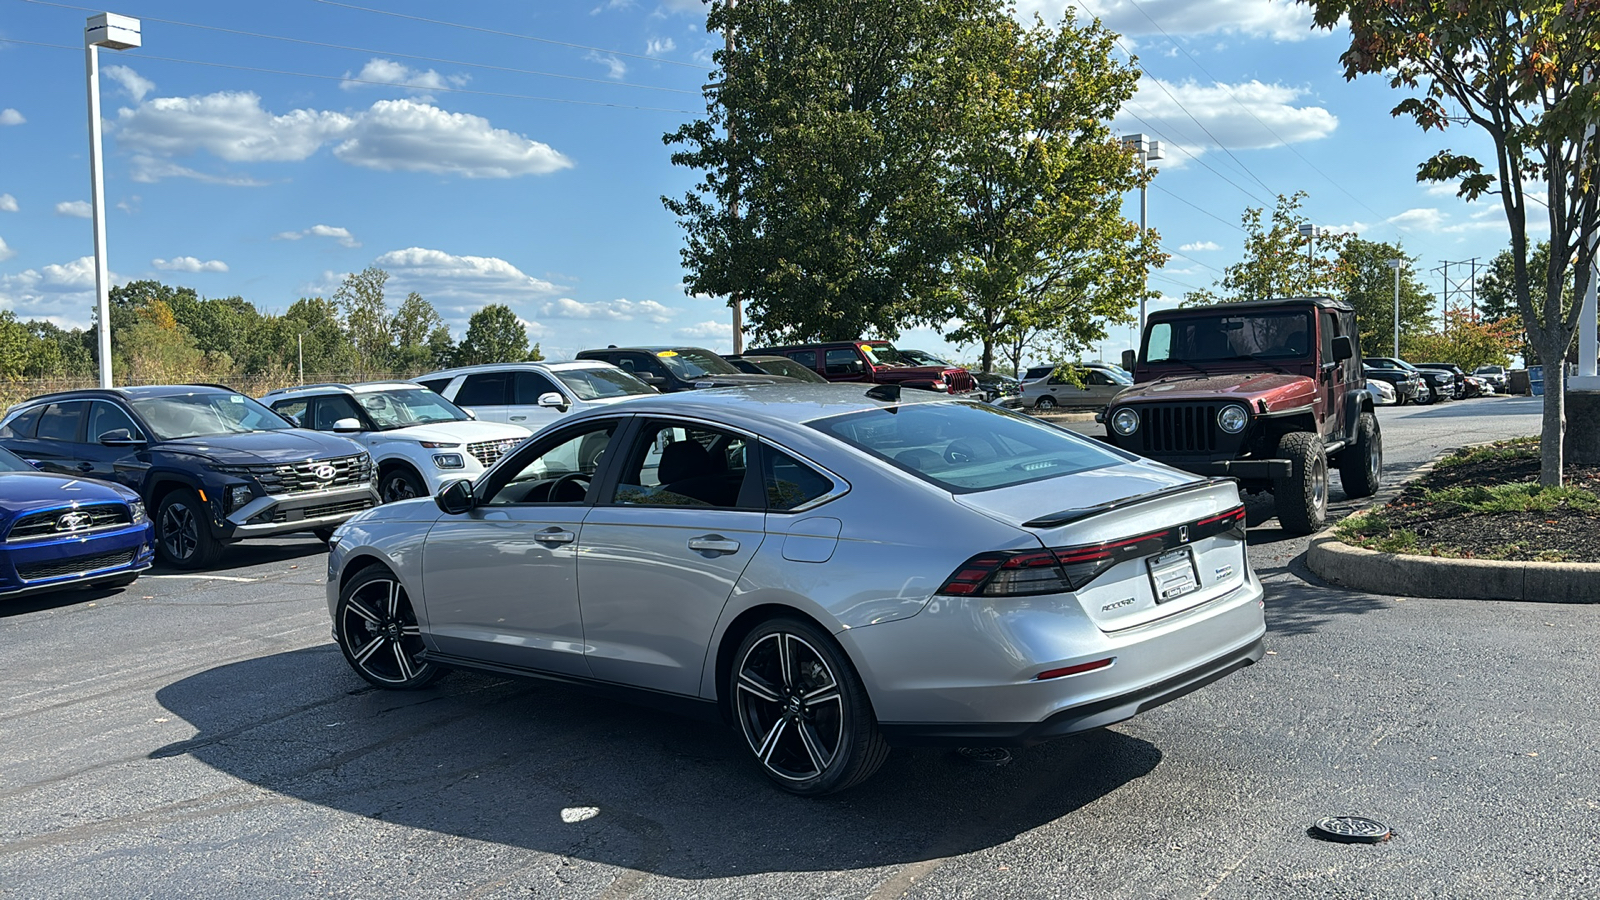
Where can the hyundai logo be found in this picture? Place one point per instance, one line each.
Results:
(74, 521)
(324, 472)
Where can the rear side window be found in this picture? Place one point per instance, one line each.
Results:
(488, 389)
(437, 385)
(807, 358)
(963, 447)
(60, 422)
(22, 424)
(842, 362)
(791, 483)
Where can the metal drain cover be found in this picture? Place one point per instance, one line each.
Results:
(1350, 830)
(984, 756)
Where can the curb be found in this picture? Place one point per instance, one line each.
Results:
(1405, 575)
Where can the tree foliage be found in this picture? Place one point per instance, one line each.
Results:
(1518, 73)
(1364, 280)
(494, 334)
(1467, 340)
(1278, 261)
(1497, 296)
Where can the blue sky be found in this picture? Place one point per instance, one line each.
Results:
(511, 152)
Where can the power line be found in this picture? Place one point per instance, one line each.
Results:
(513, 34)
(1234, 225)
(1203, 164)
(431, 59)
(216, 65)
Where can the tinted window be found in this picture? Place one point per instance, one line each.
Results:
(791, 483)
(60, 422)
(10, 462)
(104, 417)
(488, 389)
(1037, 372)
(1229, 336)
(181, 416)
(559, 473)
(842, 362)
(529, 385)
(968, 447)
(685, 465)
(598, 383)
(807, 358)
(330, 408)
(437, 385)
(22, 424)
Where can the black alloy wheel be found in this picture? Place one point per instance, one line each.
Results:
(378, 632)
(183, 537)
(400, 483)
(802, 710)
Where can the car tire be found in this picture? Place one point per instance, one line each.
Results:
(183, 536)
(323, 534)
(802, 710)
(377, 630)
(1426, 396)
(1361, 463)
(400, 483)
(1302, 497)
(1045, 403)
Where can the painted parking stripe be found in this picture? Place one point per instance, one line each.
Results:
(207, 577)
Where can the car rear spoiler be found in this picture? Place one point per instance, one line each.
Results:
(1068, 516)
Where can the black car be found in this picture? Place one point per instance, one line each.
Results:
(1463, 389)
(1408, 385)
(773, 365)
(669, 369)
(212, 465)
(1438, 384)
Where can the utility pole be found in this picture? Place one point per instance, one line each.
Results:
(734, 299)
(118, 33)
(1469, 286)
(1148, 152)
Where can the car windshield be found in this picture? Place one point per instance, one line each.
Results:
(922, 358)
(692, 362)
(601, 384)
(782, 365)
(10, 462)
(180, 416)
(404, 407)
(1224, 336)
(964, 447)
(887, 355)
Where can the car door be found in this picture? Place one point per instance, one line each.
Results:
(500, 582)
(526, 389)
(125, 464)
(486, 395)
(58, 437)
(660, 556)
(1331, 387)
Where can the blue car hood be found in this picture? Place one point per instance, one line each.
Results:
(22, 492)
(291, 445)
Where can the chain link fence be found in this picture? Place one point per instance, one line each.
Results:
(13, 391)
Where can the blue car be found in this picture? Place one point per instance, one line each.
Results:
(62, 532)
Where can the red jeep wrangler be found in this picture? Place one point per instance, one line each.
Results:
(873, 362)
(1270, 392)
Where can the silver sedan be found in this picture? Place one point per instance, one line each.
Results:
(830, 570)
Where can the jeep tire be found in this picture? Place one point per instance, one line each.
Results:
(1302, 497)
(1361, 462)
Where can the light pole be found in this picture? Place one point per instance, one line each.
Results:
(118, 33)
(1395, 264)
(1310, 232)
(1148, 151)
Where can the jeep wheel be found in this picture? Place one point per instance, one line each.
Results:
(1361, 463)
(1303, 496)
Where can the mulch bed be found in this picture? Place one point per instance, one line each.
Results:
(1416, 523)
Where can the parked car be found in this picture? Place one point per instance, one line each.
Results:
(215, 466)
(723, 551)
(61, 532)
(1407, 384)
(1437, 384)
(1047, 387)
(418, 439)
(533, 394)
(1270, 392)
(1382, 392)
(1499, 376)
(773, 365)
(993, 386)
(1457, 374)
(669, 369)
(874, 362)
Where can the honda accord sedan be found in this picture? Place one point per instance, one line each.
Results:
(830, 569)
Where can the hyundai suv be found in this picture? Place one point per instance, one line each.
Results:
(213, 465)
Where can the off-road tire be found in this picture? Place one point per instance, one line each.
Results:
(1361, 463)
(1302, 497)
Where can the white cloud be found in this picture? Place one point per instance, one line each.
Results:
(10, 116)
(615, 67)
(130, 205)
(1421, 219)
(1429, 219)
(1246, 116)
(77, 209)
(61, 293)
(8, 203)
(133, 84)
(338, 233)
(658, 46)
(388, 72)
(458, 286)
(1282, 20)
(1196, 246)
(619, 310)
(149, 170)
(228, 124)
(189, 264)
(5, 252)
(693, 7)
(711, 328)
(409, 136)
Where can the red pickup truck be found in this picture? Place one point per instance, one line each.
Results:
(873, 362)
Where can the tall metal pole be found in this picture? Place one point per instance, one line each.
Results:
(118, 33)
(300, 355)
(1144, 214)
(1397, 309)
(734, 299)
(1589, 317)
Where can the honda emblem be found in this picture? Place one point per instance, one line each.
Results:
(1183, 534)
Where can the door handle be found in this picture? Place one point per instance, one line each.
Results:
(85, 467)
(713, 543)
(555, 536)
(519, 418)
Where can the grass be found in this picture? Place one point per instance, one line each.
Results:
(1512, 498)
(1515, 448)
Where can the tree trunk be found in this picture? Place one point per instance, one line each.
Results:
(988, 354)
(1552, 431)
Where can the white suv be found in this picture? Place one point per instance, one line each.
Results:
(534, 394)
(419, 440)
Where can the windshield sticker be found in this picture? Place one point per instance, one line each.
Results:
(235, 399)
(668, 353)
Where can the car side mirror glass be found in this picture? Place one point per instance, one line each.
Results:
(1128, 359)
(349, 424)
(553, 400)
(1343, 348)
(648, 378)
(120, 437)
(456, 497)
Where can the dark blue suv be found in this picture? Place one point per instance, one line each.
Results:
(212, 465)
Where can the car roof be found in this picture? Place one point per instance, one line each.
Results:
(556, 365)
(359, 387)
(651, 349)
(134, 392)
(1275, 303)
(772, 404)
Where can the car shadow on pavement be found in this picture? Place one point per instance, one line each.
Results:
(552, 768)
(247, 554)
(76, 596)
(1483, 406)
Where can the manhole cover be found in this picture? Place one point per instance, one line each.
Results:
(1350, 830)
(984, 756)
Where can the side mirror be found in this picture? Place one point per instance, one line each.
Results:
(293, 419)
(1129, 358)
(456, 497)
(1343, 348)
(649, 379)
(121, 437)
(470, 413)
(553, 400)
(350, 424)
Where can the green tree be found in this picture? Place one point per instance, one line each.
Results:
(314, 322)
(1038, 181)
(494, 335)
(366, 317)
(1467, 340)
(229, 325)
(822, 202)
(1497, 296)
(441, 348)
(1278, 260)
(1365, 281)
(413, 324)
(1520, 74)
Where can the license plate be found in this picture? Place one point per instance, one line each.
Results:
(1172, 574)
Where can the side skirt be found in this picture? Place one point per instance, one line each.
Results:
(676, 704)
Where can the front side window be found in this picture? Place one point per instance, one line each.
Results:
(560, 473)
(105, 418)
(403, 408)
(333, 409)
(842, 361)
(528, 387)
(1223, 337)
(181, 416)
(686, 465)
(964, 447)
(602, 384)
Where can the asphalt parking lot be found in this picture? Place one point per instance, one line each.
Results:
(200, 736)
